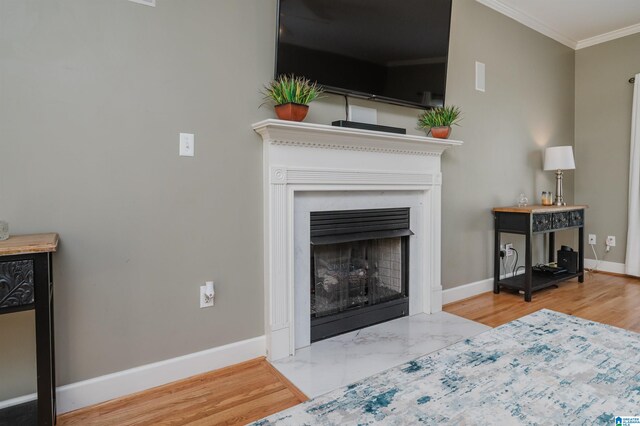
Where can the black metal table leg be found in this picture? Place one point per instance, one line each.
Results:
(581, 254)
(53, 346)
(552, 247)
(44, 342)
(496, 260)
(528, 274)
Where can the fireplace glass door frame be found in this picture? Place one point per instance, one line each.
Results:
(349, 289)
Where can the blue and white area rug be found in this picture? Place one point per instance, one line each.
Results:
(545, 368)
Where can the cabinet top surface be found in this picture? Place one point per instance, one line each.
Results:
(34, 243)
(538, 209)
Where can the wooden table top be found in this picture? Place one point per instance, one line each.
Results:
(34, 243)
(538, 209)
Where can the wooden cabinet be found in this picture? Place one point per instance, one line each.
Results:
(529, 221)
(26, 282)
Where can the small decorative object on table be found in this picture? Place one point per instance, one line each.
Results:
(291, 96)
(4, 230)
(523, 201)
(439, 120)
(547, 198)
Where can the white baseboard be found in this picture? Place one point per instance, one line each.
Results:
(99, 389)
(465, 291)
(604, 266)
(17, 401)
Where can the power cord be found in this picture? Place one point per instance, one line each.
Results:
(595, 268)
(515, 264)
(510, 266)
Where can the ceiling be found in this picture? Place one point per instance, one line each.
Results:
(575, 23)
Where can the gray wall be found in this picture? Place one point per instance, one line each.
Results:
(528, 104)
(93, 95)
(604, 99)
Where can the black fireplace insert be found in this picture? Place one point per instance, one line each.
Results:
(359, 269)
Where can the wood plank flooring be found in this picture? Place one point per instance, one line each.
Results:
(254, 389)
(605, 298)
(234, 395)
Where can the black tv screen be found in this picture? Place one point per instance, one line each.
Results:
(388, 50)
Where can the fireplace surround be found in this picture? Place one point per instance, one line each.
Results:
(314, 168)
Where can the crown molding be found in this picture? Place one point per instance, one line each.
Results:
(534, 24)
(611, 35)
(529, 21)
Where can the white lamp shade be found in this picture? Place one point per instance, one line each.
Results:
(559, 158)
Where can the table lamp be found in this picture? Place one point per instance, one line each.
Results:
(559, 158)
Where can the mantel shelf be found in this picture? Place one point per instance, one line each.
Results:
(280, 132)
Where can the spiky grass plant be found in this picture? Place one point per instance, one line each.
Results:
(289, 88)
(439, 117)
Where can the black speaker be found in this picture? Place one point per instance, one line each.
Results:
(568, 259)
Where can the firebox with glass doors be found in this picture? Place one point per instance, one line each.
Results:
(359, 269)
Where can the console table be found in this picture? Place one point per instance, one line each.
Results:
(26, 282)
(529, 221)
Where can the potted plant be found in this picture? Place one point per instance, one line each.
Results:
(439, 120)
(291, 96)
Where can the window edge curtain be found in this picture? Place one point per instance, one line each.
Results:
(632, 261)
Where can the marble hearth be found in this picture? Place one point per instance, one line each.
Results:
(312, 167)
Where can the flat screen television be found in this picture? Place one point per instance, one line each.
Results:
(392, 51)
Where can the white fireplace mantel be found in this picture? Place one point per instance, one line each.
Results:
(280, 132)
(314, 158)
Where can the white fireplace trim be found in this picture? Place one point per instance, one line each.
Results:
(296, 158)
(289, 176)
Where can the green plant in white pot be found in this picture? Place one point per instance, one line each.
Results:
(291, 96)
(439, 120)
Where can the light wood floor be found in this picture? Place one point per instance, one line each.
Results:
(254, 389)
(608, 299)
(234, 395)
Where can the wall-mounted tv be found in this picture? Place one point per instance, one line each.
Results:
(392, 51)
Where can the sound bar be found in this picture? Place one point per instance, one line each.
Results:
(367, 126)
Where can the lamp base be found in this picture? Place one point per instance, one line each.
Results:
(559, 193)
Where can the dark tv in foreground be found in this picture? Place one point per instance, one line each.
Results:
(392, 51)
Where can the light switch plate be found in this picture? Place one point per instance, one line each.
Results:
(187, 144)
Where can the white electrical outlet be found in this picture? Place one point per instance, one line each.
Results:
(592, 239)
(206, 295)
(187, 144)
(509, 249)
(611, 241)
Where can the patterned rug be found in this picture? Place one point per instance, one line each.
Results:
(545, 368)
